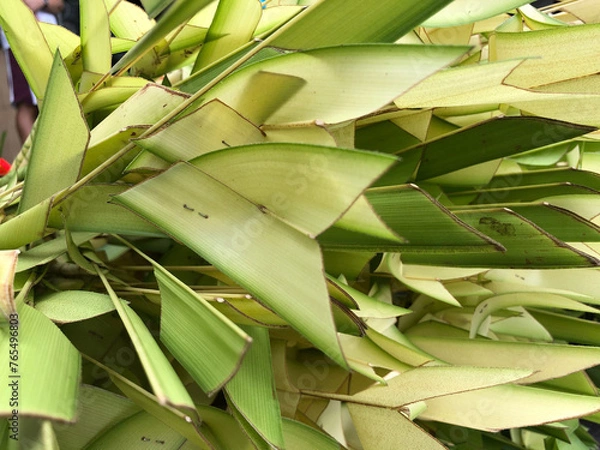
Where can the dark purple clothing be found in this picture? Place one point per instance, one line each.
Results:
(17, 83)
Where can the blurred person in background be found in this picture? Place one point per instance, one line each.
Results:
(21, 96)
(69, 17)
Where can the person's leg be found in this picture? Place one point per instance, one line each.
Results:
(21, 97)
(26, 115)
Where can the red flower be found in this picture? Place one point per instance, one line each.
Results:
(4, 167)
